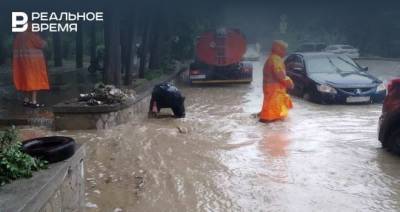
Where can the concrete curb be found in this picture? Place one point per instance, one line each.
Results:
(50, 186)
(142, 92)
(82, 117)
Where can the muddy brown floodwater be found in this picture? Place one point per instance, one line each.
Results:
(322, 158)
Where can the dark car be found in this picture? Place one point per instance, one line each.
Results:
(389, 122)
(329, 78)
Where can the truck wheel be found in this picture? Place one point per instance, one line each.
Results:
(52, 149)
(394, 141)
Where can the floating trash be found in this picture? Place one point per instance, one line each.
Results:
(91, 205)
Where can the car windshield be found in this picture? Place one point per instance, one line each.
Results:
(331, 64)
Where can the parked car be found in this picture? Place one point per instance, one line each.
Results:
(312, 47)
(252, 52)
(343, 49)
(389, 122)
(329, 78)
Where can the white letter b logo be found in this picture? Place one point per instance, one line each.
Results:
(19, 22)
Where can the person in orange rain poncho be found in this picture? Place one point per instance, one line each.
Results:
(29, 66)
(277, 102)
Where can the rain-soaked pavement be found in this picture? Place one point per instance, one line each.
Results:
(322, 158)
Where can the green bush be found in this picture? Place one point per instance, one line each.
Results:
(153, 74)
(14, 163)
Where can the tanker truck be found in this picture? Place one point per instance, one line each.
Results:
(219, 58)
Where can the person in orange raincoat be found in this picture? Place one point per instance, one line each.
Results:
(277, 102)
(29, 66)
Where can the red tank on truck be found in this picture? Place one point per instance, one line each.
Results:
(219, 58)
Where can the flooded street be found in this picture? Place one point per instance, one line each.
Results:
(220, 158)
(82, 73)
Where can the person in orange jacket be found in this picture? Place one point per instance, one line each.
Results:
(29, 66)
(277, 102)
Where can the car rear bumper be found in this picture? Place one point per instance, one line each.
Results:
(255, 58)
(221, 76)
(222, 81)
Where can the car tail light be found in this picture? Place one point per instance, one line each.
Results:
(194, 72)
(246, 68)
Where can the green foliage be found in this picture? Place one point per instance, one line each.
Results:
(15, 164)
(153, 74)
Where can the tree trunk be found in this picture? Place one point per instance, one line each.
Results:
(57, 49)
(155, 49)
(144, 49)
(92, 41)
(112, 71)
(79, 47)
(129, 52)
(2, 49)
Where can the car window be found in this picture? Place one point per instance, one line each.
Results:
(289, 59)
(294, 62)
(331, 64)
(348, 59)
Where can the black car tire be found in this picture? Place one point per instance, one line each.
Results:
(393, 142)
(310, 95)
(52, 149)
(307, 96)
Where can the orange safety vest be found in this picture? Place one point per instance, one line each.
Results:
(29, 65)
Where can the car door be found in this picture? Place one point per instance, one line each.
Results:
(295, 69)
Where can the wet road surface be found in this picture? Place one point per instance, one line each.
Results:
(322, 158)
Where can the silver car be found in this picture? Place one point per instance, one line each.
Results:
(343, 49)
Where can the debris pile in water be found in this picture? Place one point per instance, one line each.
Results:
(106, 94)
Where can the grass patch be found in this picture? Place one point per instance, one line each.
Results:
(154, 74)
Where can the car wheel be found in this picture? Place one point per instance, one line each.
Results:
(310, 96)
(394, 141)
(52, 149)
(307, 96)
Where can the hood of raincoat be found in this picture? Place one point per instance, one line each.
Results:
(279, 48)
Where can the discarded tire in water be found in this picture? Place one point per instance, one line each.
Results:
(52, 149)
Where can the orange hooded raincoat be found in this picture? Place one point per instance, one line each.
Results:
(29, 66)
(277, 102)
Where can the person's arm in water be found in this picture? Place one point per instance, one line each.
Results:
(280, 74)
